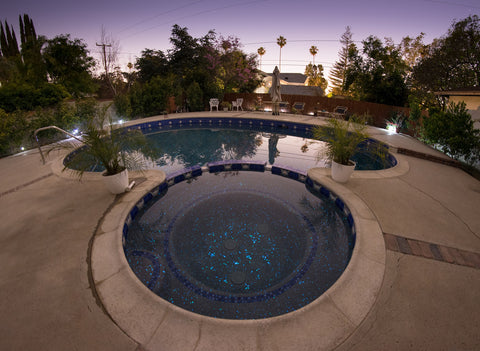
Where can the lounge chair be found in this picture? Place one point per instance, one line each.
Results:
(213, 103)
(299, 106)
(339, 112)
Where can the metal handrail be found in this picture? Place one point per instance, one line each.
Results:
(52, 127)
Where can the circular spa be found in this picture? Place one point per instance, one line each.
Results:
(238, 242)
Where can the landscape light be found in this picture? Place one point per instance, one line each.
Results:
(392, 128)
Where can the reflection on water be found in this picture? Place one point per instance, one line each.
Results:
(187, 148)
(183, 148)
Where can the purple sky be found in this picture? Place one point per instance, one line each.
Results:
(144, 24)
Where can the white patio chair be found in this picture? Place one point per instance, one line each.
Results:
(237, 103)
(213, 103)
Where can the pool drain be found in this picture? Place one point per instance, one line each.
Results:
(230, 244)
(238, 277)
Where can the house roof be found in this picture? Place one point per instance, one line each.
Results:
(292, 78)
(301, 90)
(467, 91)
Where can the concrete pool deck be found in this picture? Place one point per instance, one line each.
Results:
(429, 298)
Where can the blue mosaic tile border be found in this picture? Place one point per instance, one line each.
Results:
(218, 121)
(324, 191)
(236, 165)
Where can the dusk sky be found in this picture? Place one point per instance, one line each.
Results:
(144, 24)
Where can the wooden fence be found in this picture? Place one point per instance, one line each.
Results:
(379, 113)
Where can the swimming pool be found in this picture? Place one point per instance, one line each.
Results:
(184, 143)
(237, 242)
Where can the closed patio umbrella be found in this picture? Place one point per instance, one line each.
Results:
(275, 91)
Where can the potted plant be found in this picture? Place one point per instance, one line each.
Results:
(343, 138)
(226, 105)
(117, 150)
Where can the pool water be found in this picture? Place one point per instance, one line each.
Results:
(188, 144)
(240, 245)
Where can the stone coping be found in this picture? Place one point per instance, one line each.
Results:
(152, 321)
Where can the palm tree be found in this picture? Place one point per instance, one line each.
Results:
(281, 41)
(261, 52)
(313, 52)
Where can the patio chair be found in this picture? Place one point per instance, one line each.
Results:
(339, 112)
(237, 103)
(299, 106)
(213, 103)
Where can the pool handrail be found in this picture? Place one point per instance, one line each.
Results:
(52, 127)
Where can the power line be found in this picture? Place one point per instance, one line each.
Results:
(159, 15)
(300, 41)
(452, 3)
(197, 14)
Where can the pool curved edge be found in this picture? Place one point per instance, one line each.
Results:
(321, 325)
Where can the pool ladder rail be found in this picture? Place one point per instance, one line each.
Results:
(52, 127)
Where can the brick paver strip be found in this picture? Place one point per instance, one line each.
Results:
(415, 246)
(473, 258)
(436, 253)
(467, 259)
(458, 257)
(431, 251)
(391, 242)
(403, 245)
(447, 256)
(425, 249)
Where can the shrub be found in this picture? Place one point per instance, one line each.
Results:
(413, 121)
(453, 132)
(145, 100)
(13, 127)
(195, 97)
(26, 97)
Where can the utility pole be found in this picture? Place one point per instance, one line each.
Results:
(104, 57)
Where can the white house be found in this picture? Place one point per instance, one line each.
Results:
(470, 96)
(291, 83)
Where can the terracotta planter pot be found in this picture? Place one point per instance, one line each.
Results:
(341, 173)
(116, 183)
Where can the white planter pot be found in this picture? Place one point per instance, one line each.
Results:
(116, 183)
(342, 173)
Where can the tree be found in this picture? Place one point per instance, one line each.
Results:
(68, 63)
(109, 57)
(338, 72)
(453, 61)
(185, 53)
(235, 69)
(281, 41)
(34, 70)
(378, 75)
(413, 50)
(152, 63)
(313, 51)
(8, 41)
(261, 51)
(315, 76)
